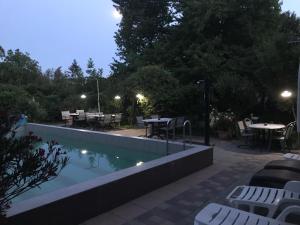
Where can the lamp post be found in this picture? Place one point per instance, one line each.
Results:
(98, 96)
(286, 94)
(206, 110)
(117, 102)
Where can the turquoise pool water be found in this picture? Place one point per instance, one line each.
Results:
(88, 160)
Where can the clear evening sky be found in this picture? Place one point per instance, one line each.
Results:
(55, 32)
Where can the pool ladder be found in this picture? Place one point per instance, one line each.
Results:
(187, 122)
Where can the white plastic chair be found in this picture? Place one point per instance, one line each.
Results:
(118, 118)
(244, 133)
(284, 138)
(267, 198)
(81, 115)
(216, 214)
(106, 121)
(248, 122)
(139, 122)
(292, 156)
(170, 126)
(65, 115)
(91, 118)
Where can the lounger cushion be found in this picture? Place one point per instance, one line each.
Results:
(292, 165)
(274, 178)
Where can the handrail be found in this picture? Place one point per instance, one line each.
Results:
(187, 122)
(167, 138)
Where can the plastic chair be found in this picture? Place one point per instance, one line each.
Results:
(214, 214)
(270, 199)
(285, 138)
(169, 127)
(244, 133)
(65, 115)
(81, 115)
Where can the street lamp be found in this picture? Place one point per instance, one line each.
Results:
(83, 96)
(286, 94)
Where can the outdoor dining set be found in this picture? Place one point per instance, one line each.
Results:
(91, 118)
(266, 134)
(158, 127)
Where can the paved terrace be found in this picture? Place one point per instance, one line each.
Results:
(179, 202)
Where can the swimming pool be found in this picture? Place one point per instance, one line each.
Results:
(88, 160)
(104, 172)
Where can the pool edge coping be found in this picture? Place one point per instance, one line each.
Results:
(48, 198)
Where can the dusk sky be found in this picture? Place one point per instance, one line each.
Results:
(54, 32)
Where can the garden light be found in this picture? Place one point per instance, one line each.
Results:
(117, 97)
(83, 96)
(286, 94)
(140, 97)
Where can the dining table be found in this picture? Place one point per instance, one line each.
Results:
(155, 124)
(74, 114)
(269, 127)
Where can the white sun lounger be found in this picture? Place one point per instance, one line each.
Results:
(267, 198)
(215, 214)
(292, 156)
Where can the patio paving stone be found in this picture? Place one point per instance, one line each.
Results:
(179, 202)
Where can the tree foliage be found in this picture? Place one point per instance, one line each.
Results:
(23, 166)
(24, 88)
(240, 46)
(166, 46)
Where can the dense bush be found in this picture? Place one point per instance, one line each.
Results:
(23, 166)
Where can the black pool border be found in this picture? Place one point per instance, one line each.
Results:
(99, 197)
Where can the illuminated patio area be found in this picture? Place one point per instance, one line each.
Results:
(179, 202)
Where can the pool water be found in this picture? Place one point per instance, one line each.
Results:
(87, 161)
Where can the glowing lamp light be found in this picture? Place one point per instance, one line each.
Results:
(286, 94)
(84, 151)
(83, 96)
(140, 97)
(117, 97)
(139, 163)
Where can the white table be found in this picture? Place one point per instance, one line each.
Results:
(161, 120)
(152, 122)
(94, 115)
(73, 115)
(269, 127)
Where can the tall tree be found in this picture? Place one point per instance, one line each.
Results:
(2, 52)
(75, 70)
(58, 74)
(91, 69)
(18, 68)
(144, 23)
(231, 41)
